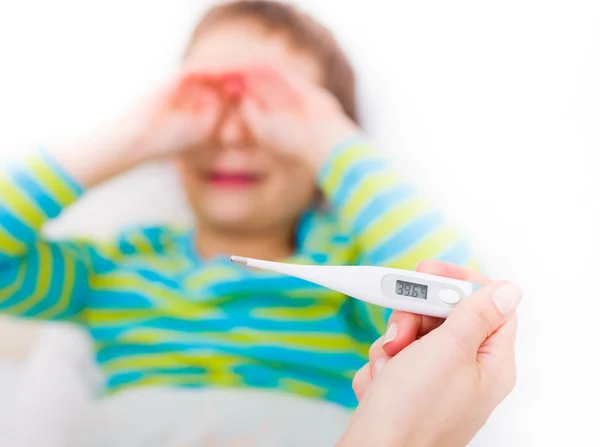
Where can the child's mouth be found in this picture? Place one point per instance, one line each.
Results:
(233, 179)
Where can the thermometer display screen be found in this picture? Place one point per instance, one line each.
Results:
(411, 289)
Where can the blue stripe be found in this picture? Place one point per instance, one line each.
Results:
(407, 237)
(15, 226)
(337, 389)
(56, 283)
(153, 235)
(174, 370)
(119, 300)
(99, 263)
(126, 378)
(257, 375)
(387, 313)
(238, 319)
(35, 191)
(268, 283)
(319, 258)
(305, 228)
(339, 361)
(341, 147)
(69, 181)
(77, 295)
(108, 334)
(29, 282)
(331, 362)
(8, 275)
(132, 349)
(380, 204)
(158, 278)
(268, 375)
(125, 246)
(342, 395)
(458, 253)
(356, 174)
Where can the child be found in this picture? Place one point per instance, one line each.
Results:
(261, 123)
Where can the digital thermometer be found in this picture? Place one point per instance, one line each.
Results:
(413, 292)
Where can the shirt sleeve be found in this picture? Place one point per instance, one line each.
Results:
(388, 220)
(39, 278)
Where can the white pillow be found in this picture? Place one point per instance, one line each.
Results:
(57, 385)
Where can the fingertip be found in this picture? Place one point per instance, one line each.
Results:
(435, 267)
(507, 297)
(391, 333)
(476, 317)
(429, 264)
(403, 329)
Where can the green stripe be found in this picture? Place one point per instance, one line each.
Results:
(20, 205)
(430, 247)
(365, 192)
(342, 164)
(66, 292)
(312, 313)
(13, 288)
(51, 180)
(42, 289)
(9, 245)
(393, 221)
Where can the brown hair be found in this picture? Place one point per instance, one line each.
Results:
(304, 32)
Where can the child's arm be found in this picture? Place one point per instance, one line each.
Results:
(390, 223)
(39, 279)
(50, 280)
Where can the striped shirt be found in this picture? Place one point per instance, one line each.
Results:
(159, 315)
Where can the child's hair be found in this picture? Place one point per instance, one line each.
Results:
(303, 32)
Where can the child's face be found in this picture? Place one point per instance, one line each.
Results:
(237, 185)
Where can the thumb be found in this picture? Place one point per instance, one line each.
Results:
(477, 317)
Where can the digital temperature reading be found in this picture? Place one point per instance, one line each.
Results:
(411, 289)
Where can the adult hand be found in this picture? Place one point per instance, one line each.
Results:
(289, 114)
(432, 382)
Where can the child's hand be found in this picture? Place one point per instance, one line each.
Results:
(440, 389)
(289, 114)
(181, 116)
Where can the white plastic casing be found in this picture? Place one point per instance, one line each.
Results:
(376, 285)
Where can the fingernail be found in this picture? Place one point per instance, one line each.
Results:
(391, 333)
(378, 366)
(507, 297)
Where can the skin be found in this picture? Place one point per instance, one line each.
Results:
(406, 401)
(248, 126)
(235, 147)
(246, 104)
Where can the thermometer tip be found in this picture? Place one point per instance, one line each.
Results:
(239, 260)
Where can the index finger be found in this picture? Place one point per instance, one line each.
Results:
(191, 84)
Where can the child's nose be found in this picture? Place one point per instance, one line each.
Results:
(233, 131)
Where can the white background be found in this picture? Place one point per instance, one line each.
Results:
(491, 107)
